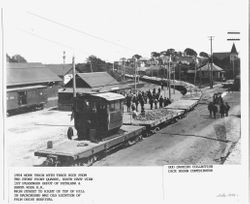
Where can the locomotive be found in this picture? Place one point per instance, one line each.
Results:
(97, 115)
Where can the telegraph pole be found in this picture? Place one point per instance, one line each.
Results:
(74, 77)
(135, 75)
(211, 61)
(169, 78)
(91, 68)
(64, 57)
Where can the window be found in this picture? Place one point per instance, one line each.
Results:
(22, 98)
(122, 106)
(112, 106)
(117, 105)
(93, 107)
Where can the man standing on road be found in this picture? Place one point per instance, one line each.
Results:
(210, 108)
(227, 107)
(128, 101)
(151, 101)
(215, 110)
(222, 109)
(161, 101)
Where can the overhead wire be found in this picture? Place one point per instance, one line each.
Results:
(53, 41)
(79, 31)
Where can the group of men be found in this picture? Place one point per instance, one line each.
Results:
(140, 97)
(218, 102)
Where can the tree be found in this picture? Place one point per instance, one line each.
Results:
(8, 58)
(18, 59)
(155, 55)
(179, 54)
(204, 54)
(15, 59)
(170, 51)
(136, 57)
(95, 64)
(190, 52)
(163, 53)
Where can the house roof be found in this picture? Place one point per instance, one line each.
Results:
(206, 67)
(60, 69)
(97, 79)
(233, 50)
(24, 65)
(109, 96)
(30, 75)
(78, 90)
(221, 55)
(143, 69)
(186, 59)
(25, 88)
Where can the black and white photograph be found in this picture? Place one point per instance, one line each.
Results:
(124, 84)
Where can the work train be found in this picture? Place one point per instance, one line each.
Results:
(21, 99)
(98, 121)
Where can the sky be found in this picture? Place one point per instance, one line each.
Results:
(41, 30)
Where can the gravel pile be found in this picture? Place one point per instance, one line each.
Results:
(153, 115)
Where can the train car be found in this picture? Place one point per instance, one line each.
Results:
(26, 98)
(97, 116)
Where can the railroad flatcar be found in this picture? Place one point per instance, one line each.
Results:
(97, 116)
(26, 98)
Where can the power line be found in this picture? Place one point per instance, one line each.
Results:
(51, 41)
(78, 30)
(43, 38)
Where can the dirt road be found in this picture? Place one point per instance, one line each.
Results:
(196, 139)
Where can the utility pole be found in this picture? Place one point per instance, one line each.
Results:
(74, 77)
(174, 78)
(91, 68)
(64, 57)
(211, 61)
(135, 75)
(169, 79)
(200, 78)
(164, 60)
(195, 73)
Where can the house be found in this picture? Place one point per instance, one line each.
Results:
(188, 60)
(92, 82)
(204, 72)
(29, 84)
(229, 61)
(64, 71)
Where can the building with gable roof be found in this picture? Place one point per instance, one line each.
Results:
(29, 84)
(229, 61)
(64, 71)
(92, 82)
